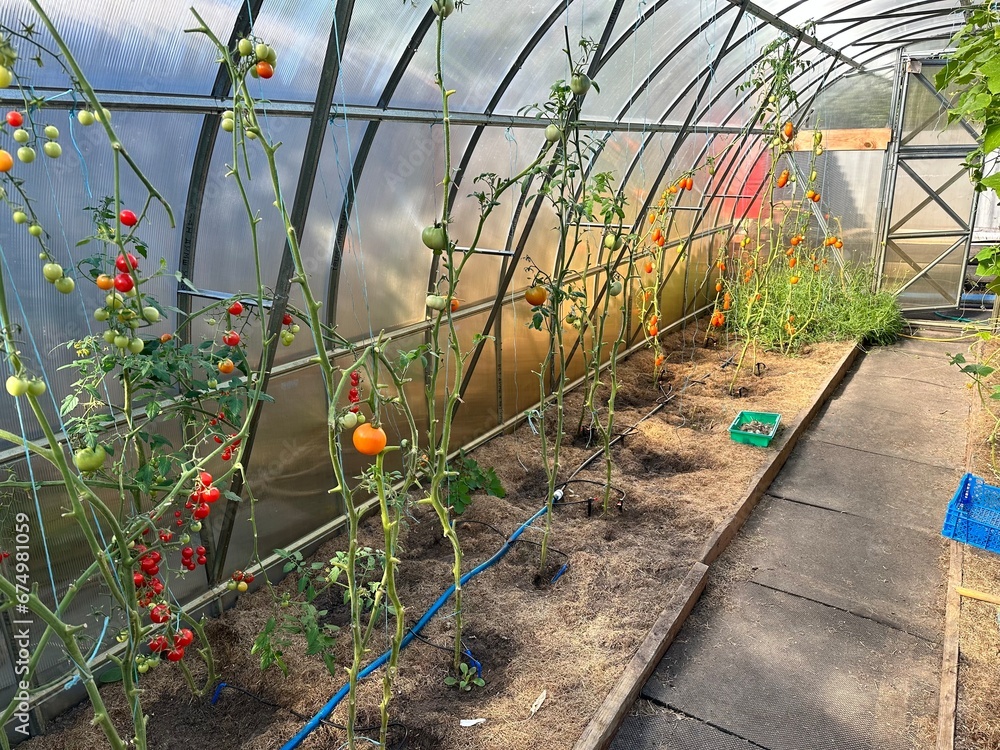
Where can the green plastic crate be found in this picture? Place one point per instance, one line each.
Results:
(753, 438)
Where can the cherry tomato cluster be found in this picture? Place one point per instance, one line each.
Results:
(291, 328)
(354, 395)
(189, 559)
(239, 581)
(4, 555)
(266, 58)
(174, 651)
(234, 443)
(147, 583)
(653, 325)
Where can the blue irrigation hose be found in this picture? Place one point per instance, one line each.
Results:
(327, 709)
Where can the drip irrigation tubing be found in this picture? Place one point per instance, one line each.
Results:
(414, 632)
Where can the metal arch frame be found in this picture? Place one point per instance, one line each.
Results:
(312, 150)
(361, 158)
(203, 157)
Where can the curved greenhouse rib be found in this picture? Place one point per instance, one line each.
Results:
(361, 158)
(312, 150)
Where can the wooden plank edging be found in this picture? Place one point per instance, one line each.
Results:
(605, 722)
(948, 693)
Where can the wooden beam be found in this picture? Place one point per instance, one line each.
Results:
(604, 724)
(854, 139)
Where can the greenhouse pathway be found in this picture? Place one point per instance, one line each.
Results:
(823, 623)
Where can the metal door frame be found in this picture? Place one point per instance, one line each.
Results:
(899, 155)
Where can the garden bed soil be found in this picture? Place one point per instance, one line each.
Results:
(681, 475)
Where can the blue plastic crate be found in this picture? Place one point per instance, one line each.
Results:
(974, 514)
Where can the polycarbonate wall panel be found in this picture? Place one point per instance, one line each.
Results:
(856, 101)
(849, 182)
(505, 152)
(377, 38)
(298, 32)
(128, 46)
(548, 62)
(224, 260)
(925, 116)
(383, 279)
(477, 52)
(646, 48)
(60, 189)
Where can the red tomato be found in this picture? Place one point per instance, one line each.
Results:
(126, 263)
(124, 283)
(265, 69)
(15, 119)
(128, 218)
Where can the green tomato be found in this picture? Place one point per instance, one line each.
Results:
(121, 341)
(553, 133)
(85, 117)
(435, 238)
(101, 314)
(184, 538)
(228, 114)
(615, 288)
(134, 323)
(19, 217)
(612, 242)
(294, 328)
(52, 271)
(51, 132)
(361, 418)
(17, 386)
(142, 668)
(245, 47)
(287, 337)
(213, 383)
(349, 421)
(36, 387)
(6, 77)
(436, 302)
(579, 84)
(231, 585)
(90, 459)
(196, 526)
(21, 135)
(65, 285)
(151, 314)
(35, 230)
(114, 301)
(443, 7)
(261, 51)
(104, 115)
(272, 56)
(52, 150)
(109, 336)
(136, 346)
(228, 125)
(26, 154)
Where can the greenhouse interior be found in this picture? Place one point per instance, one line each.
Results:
(639, 357)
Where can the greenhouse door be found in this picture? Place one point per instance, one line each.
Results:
(928, 214)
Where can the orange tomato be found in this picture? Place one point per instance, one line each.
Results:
(815, 198)
(649, 267)
(454, 305)
(660, 240)
(810, 194)
(6, 161)
(727, 298)
(794, 241)
(838, 244)
(788, 130)
(718, 319)
(659, 360)
(718, 287)
(726, 305)
(226, 366)
(783, 178)
(656, 234)
(792, 262)
(166, 337)
(536, 296)
(794, 280)
(368, 440)
(652, 217)
(673, 190)
(653, 330)
(791, 318)
(790, 252)
(105, 282)
(689, 183)
(721, 265)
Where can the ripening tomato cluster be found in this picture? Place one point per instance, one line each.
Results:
(354, 394)
(239, 581)
(219, 438)
(172, 649)
(291, 328)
